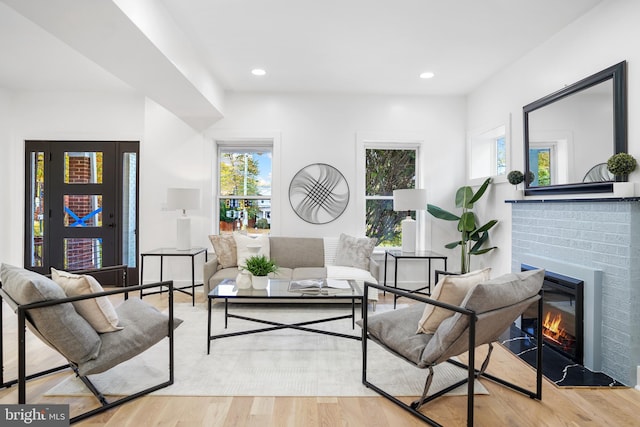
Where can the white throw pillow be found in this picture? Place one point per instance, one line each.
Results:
(99, 312)
(354, 251)
(349, 273)
(248, 246)
(450, 290)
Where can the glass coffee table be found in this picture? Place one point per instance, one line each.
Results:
(278, 291)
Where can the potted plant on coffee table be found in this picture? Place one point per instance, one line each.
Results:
(260, 266)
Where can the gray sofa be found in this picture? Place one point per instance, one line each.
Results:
(302, 258)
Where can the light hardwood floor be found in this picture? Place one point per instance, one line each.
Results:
(503, 407)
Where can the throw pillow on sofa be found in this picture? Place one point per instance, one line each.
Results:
(224, 246)
(248, 246)
(354, 251)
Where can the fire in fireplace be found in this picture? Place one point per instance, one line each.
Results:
(562, 311)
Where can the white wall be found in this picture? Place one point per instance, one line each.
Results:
(54, 116)
(324, 128)
(603, 37)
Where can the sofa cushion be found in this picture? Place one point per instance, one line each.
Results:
(450, 290)
(283, 273)
(99, 312)
(60, 325)
(294, 252)
(354, 251)
(224, 246)
(309, 273)
(346, 273)
(244, 243)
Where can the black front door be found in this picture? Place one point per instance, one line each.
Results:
(79, 210)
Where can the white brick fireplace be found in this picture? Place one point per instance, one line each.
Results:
(597, 241)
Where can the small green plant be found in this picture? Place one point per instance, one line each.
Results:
(516, 177)
(621, 164)
(262, 223)
(260, 265)
(472, 236)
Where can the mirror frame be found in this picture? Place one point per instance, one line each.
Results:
(617, 73)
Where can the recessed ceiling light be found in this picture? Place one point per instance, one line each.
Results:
(427, 75)
(258, 72)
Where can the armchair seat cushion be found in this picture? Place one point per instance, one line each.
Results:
(396, 330)
(143, 325)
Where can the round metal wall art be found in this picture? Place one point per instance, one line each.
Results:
(318, 193)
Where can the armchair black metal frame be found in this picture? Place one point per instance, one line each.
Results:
(22, 312)
(473, 373)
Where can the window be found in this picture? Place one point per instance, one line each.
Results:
(488, 154)
(387, 169)
(244, 188)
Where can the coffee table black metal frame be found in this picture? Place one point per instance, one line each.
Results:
(278, 290)
(397, 254)
(173, 252)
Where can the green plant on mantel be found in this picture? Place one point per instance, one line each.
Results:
(472, 236)
(621, 165)
(516, 177)
(260, 265)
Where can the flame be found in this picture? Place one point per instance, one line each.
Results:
(552, 330)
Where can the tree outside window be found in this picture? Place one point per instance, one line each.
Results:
(387, 170)
(244, 196)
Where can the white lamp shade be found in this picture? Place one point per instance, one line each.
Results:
(411, 199)
(183, 198)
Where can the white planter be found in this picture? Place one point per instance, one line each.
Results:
(518, 194)
(259, 282)
(243, 280)
(624, 189)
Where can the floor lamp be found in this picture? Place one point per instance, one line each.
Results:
(411, 199)
(183, 199)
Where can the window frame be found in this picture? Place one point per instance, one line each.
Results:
(227, 144)
(390, 141)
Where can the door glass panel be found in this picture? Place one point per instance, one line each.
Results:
(82, 253)
(37, 209)
(129, 191)
(83, 167)
(82, 210)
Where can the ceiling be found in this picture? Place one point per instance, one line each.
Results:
(367, 46)
(305, 46)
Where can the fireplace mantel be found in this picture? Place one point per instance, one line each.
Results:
(600, 234)
(589, 200)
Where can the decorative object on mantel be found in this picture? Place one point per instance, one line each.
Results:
(472, 237)
(319, 193)
(621, 165)
(516, 177)
(260, 266)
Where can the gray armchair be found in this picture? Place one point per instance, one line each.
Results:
(43, 306)
(487, 310)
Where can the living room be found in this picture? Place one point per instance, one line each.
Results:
(177, 148)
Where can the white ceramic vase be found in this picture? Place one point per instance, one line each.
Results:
(243, 280)
(259, 282)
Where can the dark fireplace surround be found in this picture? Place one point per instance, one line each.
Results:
(563, 315)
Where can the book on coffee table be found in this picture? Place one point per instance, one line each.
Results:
(318, 285)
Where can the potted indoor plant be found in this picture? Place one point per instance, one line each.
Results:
(472, 236)
(515, 177)
(621, 165)
(260, 266)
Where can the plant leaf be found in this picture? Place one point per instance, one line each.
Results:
(463, 198)
(452, 244)
(487, 226)
(483, 251)
(441, 213)
(480, 191)
(467, 222)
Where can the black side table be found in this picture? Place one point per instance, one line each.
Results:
(397, 254)
(169, 252)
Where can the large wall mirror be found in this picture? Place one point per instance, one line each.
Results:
(570, 134)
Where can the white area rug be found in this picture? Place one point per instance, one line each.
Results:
(276, 363)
